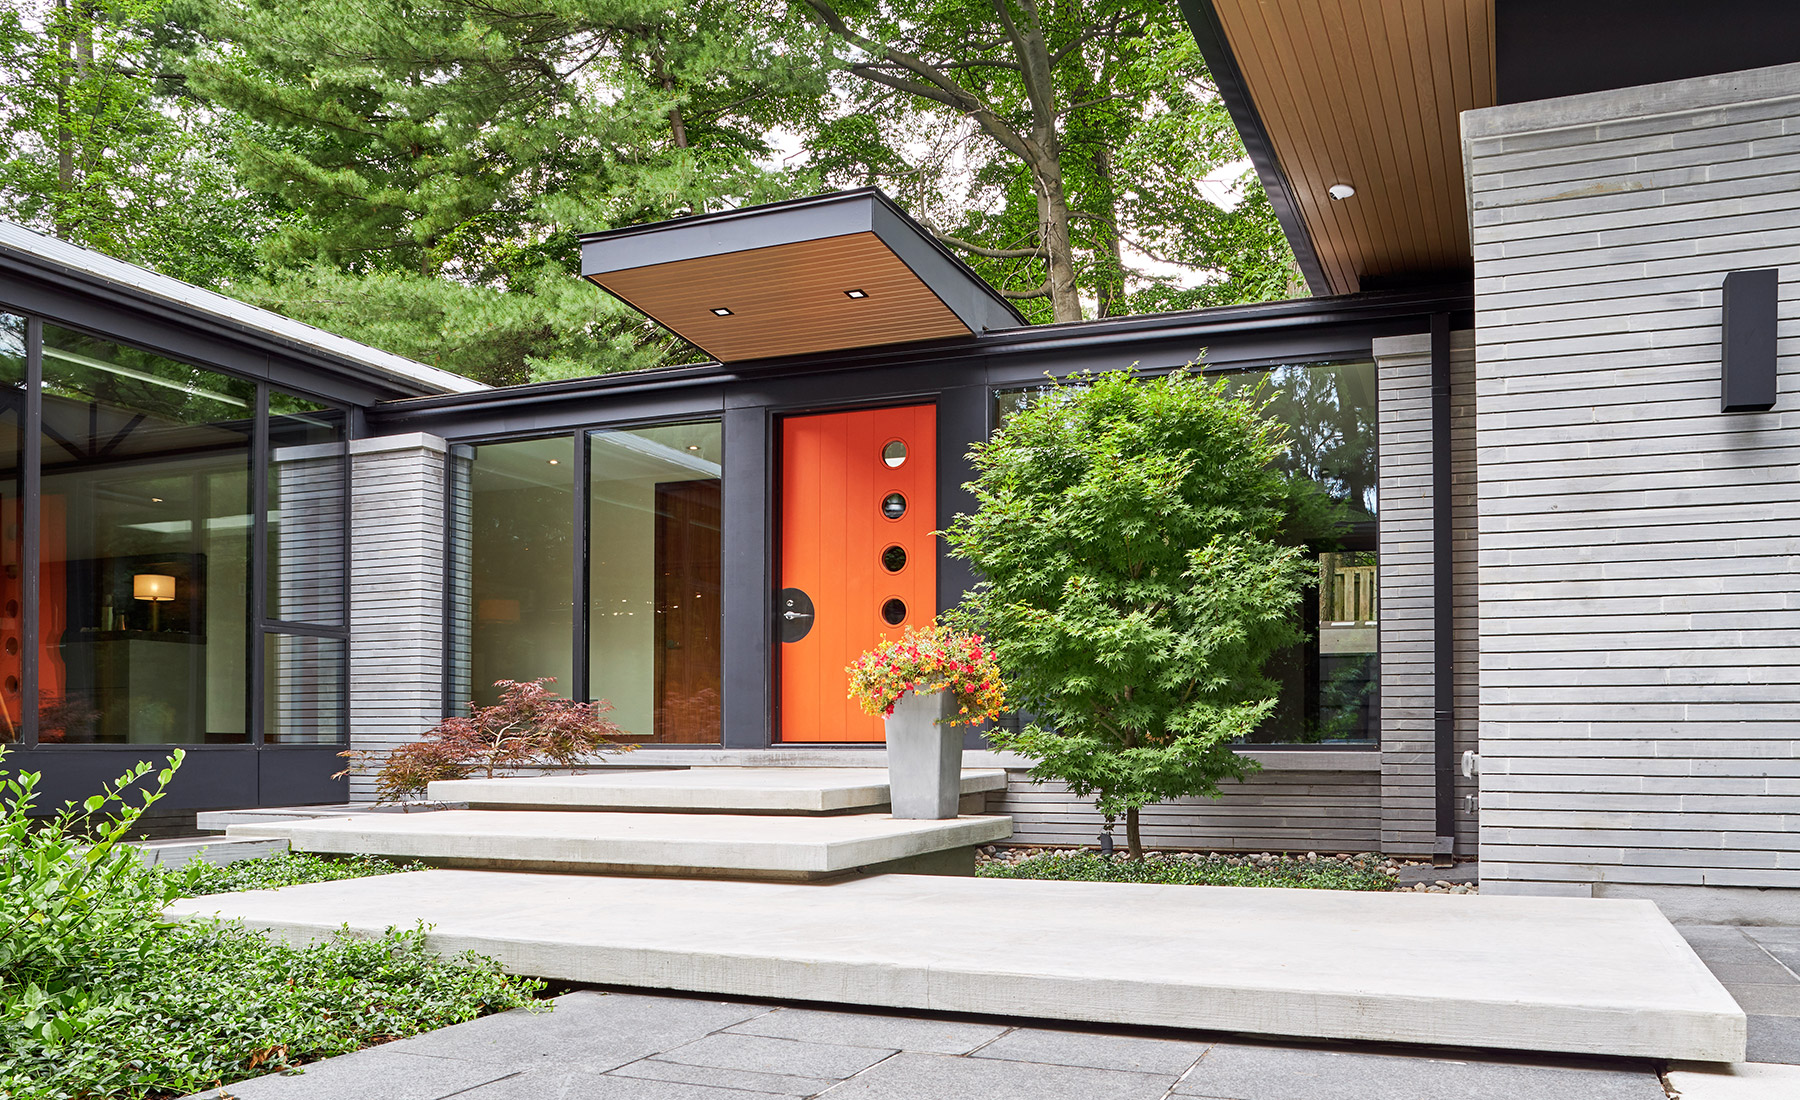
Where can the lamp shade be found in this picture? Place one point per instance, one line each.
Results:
(155, 587)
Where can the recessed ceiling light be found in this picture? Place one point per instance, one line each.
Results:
(556, 462)
(721, 311)
(1340, 191)
(856, 294)
(693, 446)
(156, 500)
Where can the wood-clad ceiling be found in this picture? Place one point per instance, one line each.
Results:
(1368, 93)
(789, 299)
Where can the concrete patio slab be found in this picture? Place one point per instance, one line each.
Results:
(1741, 1081)
(730, 845)
(786, 790)
(1521, 973)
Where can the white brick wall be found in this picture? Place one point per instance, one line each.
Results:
(1639, 609)
(397, 589)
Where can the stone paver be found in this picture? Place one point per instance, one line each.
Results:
(634, 1046)
(1760, 968)
(380, 1073)
(1075, 1048)
(1743, 1081)
(1257, 1071)
(864, 1029)
(760, 1054)
(912, 1076)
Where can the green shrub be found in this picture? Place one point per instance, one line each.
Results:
(1323, 874)
(287, 869)
(100, 997)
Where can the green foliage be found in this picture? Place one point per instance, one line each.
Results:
(1211, 870)
(99, 997)
(286, 869)
(198, 1005)
(100, 145)
(1139, 569)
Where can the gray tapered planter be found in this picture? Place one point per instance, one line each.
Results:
(924, 757)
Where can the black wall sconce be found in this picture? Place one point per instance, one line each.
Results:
(1747, 322)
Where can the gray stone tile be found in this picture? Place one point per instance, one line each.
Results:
(1788, 954)
(1242, 1071)
(1773, 935)
(911, 1076)
(1767, 1000)
(551, 1084)
(760, 1054)
(379, 1073)
(1766, 972)
(587, 1031)
(1080, 1048)
(862, 1029)
(777, 1084)
(1774, 1039)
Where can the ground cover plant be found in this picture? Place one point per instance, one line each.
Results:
(100, 997)
(286, 869)
(1182, 869)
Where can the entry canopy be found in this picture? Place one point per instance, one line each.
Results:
(830, 273)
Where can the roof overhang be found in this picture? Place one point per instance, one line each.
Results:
(830, 273)
(1360, 92)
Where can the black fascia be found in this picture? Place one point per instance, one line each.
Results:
(1301, 330)
(818, 217)
(1215, 48)
(116, 312)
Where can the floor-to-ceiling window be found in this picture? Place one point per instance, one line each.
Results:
(1330, 686)
(163, 515)
(620, 525)
(654, 551)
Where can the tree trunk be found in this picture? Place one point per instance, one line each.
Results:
(1134, 843)
(1053, 231)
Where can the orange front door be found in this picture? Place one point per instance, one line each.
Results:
(858, 561)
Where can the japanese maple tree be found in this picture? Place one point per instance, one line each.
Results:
(531, 726)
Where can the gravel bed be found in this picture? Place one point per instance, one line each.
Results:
(1390, 866)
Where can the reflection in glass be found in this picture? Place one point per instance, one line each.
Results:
(893, 612)
(303, 693)
(12, 591)
(894, 454)
(517, 501)
(893, 559)
(146, 474)
(1330, 687)
(653, 579)
(307, 485)
(893, 506)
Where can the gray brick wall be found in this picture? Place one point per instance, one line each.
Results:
(1639, 607)
(397, 588)
(1408, 677)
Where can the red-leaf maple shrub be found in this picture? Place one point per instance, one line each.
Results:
(531, 726)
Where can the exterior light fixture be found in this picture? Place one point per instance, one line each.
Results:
(721, 311)
(856, 294)
(1340, 191)
(556, 462)
(693, 446)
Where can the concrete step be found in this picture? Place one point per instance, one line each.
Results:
(796, 848)
(1565, 975)
(785, 790)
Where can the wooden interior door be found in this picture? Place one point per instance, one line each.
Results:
(858, 560)
(687, 612)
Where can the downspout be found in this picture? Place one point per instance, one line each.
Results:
(1443, 594)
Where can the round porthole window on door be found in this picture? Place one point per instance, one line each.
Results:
(893, 612)
(893, 506)
(893, 454)
(893, 559)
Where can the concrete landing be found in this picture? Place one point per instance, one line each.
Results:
(789, 848)
(1517, 973)
(785, 790)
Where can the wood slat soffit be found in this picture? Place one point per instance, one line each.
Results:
(1368, 93)
(826, 273)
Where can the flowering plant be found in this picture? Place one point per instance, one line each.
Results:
(939, 659)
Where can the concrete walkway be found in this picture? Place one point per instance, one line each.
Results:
(1514, 973)
(629, 1046)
